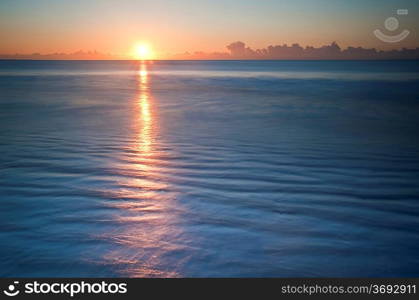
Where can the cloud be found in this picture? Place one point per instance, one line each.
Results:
(239, 50)
(79, 55)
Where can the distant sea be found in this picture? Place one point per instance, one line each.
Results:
(209, 168)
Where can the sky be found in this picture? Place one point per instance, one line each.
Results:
(176, 26)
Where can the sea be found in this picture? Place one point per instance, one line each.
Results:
(209, 168)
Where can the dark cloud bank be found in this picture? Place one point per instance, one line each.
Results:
(239, 50)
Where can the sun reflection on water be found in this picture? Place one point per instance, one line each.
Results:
(146, 229)
(145, 122)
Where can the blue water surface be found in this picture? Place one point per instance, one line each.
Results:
(209, 168)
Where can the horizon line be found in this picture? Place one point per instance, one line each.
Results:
(240, 51)
(242, 59)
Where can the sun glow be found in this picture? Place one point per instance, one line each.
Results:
(143, 52)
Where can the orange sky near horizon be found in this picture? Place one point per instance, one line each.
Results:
(171, 27)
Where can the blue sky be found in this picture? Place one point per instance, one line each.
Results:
(185, 25)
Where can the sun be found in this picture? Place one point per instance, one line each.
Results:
(143, 51)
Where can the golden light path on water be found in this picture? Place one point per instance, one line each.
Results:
(148, 225)
(145, 111)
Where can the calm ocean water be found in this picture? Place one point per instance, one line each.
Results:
(196, 169)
